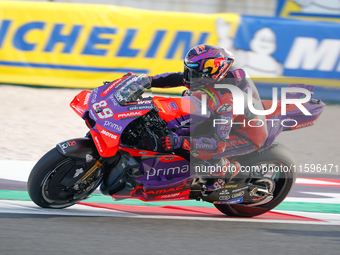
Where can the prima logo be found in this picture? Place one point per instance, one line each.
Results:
(112, 125)
(167, 171)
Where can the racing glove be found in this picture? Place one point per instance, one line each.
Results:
(172, 141)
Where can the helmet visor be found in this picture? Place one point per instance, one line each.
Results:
(193, 76)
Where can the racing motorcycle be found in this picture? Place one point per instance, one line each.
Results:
(122, 153)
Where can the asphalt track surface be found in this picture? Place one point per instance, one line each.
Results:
(60, 234)
(32, 234)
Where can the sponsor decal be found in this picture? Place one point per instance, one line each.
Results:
(167, 171)
(119, 96)
(145, 102)
(98, 144)
(89, 158)
(199, 49)
(177, 194)
(195, 153)
(94, 95)
(135, 78)
(112, 125)
(132, 114)
(235, 142)
(168, 196)
(109, 88)
(234, 201)
(173, 158)
(238, 75)
(237, 190)
(305, 124)
(222, 70)
(87, 98)
(108, 134)
(204, 146)
(186, 122)
(224, 197)
(231, 186)
(164, 191)
(64, 146)
(140, 107)
(93, 116)
(113, 100)
(224, 192)
(186, 145)
(224, 108)
(216, 64)
(239, 194)
(172, 106)
(78, 172)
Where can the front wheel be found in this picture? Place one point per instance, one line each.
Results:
(58, 181)
(278, 162)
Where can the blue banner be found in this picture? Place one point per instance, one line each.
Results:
(277, 47)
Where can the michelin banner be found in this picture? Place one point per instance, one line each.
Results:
(78, 45)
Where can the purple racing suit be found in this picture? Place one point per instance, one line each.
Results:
(235, 136)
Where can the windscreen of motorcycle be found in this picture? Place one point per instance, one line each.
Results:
(131, 89)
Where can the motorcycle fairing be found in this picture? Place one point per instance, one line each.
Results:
(294, 118)
(80, 102)
(138, 152)
(161, 177)
(181, 113)
(109, 116)
(70, 148)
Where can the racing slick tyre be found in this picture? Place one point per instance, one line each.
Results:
(278, 158)
(55, 182)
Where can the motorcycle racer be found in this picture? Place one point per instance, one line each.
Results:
(204, 66)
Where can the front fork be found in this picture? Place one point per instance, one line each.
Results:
(84, 152)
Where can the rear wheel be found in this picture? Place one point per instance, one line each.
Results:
(280, 177)
(54, 181)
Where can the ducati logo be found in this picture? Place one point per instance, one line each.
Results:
(88, 157)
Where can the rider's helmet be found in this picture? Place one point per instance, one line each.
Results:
(206, 63)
